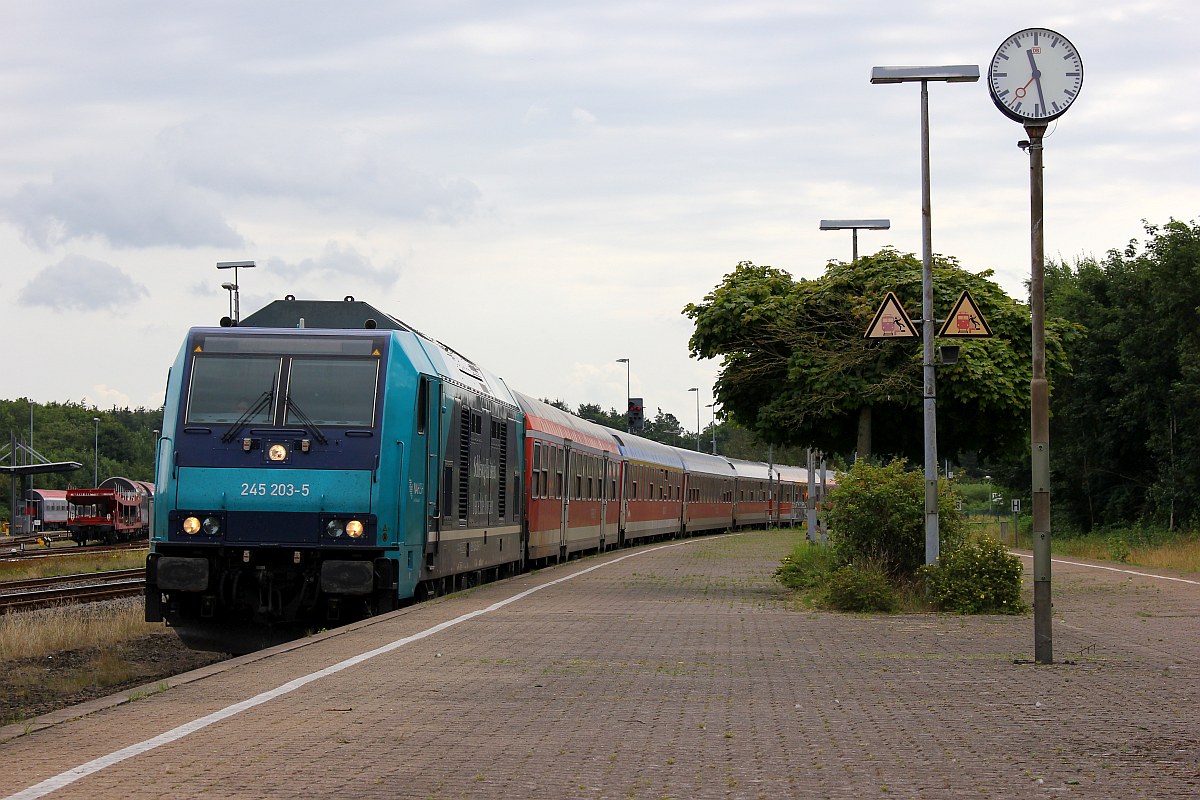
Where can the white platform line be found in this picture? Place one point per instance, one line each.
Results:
(175, 734)
(1113, 569)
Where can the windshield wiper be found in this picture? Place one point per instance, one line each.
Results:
(264, 400)
(308, 423)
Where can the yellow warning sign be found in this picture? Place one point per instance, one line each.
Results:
(891, 321)
(965, 321)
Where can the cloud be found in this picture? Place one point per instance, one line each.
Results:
(81, 284)
(338, 260)
(129, 204)
(353, 173)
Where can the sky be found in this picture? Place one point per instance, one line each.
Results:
(541, 184)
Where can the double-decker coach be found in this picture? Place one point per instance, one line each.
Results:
(572, 472)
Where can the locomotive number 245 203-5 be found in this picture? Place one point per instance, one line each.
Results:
(275, 490)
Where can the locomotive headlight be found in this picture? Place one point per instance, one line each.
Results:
(277, 453)
(335, 528)
(211, 526)
(354, 529)
(191, 526)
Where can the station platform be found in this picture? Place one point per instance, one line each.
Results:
(677, 670)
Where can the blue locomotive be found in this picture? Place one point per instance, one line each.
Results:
(324, 462)
(318, 463)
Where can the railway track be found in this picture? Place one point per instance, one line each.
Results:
(13, 551)
(32, 593)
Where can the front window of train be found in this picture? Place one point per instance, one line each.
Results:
(238, 380)
(226, 388)
(328, 391)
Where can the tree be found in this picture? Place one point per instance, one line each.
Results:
(1125, 429)
(796, 368)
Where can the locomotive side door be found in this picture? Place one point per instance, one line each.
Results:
(426, 472)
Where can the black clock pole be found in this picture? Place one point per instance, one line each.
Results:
(1039, 413)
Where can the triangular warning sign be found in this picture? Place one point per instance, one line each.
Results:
(891, 321)
(198, 349)
(965, 321)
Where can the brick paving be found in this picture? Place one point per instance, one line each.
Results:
(682, 672)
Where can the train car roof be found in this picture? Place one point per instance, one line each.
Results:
(348, 314)
(751, 469)
(546, 418)
(50, 494)
(792, 474)
(635, 448)
(696, 461)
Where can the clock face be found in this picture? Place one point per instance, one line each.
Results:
(1035, 75)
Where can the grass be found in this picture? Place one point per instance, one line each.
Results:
(1143, 547)
(71, 565)
(49, 631)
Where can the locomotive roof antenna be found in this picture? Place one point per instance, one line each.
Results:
(235, 265)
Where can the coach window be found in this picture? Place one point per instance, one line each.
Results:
(535, 471)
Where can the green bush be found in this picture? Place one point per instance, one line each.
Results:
(976, 578)
(862, 587)
(877, 513)
(809, 565)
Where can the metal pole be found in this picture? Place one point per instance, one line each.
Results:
(1039, 413)
(697, 420)
(96, 454)
(854, 246)
(628, 421)
(932, 542)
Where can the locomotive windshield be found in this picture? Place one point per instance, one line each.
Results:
(225, 388)
(332, 391)
(324, 382)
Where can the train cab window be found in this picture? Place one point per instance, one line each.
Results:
(226, 388)
(332, 391)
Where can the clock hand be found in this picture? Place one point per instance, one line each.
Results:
(1020, 92)
(1037, 79)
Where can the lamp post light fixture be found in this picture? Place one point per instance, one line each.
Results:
(236, 316)
(628, 422)
(965, 73)
(96, 454)
(855, 225)
(231, 288)
(696, 389)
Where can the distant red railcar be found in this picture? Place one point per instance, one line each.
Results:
(118, 510)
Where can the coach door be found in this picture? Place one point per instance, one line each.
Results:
(605, 491)
(566, 469)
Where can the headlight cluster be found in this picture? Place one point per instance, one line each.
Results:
(344, 528)
(208, 526)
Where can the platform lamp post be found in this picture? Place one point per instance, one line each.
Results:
(855, 225)
(96, 454)
(696, 389)
(233, 288)
(713, 406)
(951, 74)
(628, 421)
